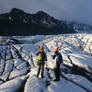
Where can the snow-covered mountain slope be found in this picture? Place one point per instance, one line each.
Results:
(82, 28)
(18, 63)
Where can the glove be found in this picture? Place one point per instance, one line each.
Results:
(37, 62)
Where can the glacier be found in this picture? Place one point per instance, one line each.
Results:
(18, 63)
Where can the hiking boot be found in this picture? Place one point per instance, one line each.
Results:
(37, 76)
(56, 79)
(42, 76)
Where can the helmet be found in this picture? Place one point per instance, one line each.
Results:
(41, 48)
(56, 49)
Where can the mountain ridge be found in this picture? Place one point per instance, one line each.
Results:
(18, 22)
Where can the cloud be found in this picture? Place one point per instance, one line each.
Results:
(71, 10)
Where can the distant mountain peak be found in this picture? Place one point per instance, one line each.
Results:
(15, 10)
(42, 13)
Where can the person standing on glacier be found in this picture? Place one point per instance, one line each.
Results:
(57, 61)
(41, 58)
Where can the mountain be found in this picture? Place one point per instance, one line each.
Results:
(82, 28)
(18, 22)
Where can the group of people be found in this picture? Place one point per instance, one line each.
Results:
(42, 57)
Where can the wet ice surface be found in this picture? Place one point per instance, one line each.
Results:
(18, 64)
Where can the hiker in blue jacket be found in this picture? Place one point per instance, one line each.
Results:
(58, 60)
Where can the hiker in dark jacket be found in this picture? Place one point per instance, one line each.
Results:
(41, 57)
(58, 60)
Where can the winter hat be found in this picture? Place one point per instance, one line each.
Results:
(56, 49)
(41, 48)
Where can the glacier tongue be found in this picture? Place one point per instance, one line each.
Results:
(18, 64)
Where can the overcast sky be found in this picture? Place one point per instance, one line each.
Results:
(71, 10)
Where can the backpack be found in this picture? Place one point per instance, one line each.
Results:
(39, 57)
(59, 58)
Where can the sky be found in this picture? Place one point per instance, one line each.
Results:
(70, 10)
